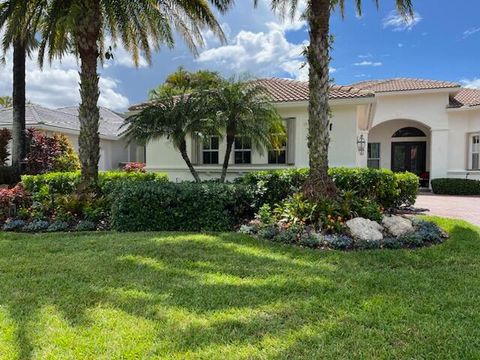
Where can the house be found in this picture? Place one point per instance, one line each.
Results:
(114, 151)
(431, 128)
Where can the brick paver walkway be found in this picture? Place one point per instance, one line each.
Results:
(458, 207)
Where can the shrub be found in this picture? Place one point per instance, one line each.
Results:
(381, 186)
(5, 137)
(36, 226)
(150, 206)
(9, 175)
(11, 200)
(58, 226)
(67, 159)
(134, 167)
(456, 187)
(86, 225)
(14, 225)
(41, 152)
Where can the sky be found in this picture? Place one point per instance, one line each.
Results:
(442, 42)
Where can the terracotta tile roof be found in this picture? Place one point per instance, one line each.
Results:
(404, 84)
(466, 97)
(285, 90)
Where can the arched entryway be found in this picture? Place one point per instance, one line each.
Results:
(401, 145)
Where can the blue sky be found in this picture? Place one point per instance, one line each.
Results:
(442, 42)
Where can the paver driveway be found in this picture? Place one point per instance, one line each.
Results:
(457, 207)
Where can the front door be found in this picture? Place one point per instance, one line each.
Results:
(409, 156)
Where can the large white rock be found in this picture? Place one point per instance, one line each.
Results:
(364, 229)
(398, 225)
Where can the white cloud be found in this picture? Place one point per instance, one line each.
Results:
(400, 45)
(471, 83)
(400, 23)
(57, 84)
(368, 63)
(470, 32)
(365, 56)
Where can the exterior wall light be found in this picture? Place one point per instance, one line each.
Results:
(361, 144)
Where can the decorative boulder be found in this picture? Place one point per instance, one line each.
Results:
(397, 225)
(364, 229)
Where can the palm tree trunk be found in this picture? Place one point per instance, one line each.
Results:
(183, 152)
(18, 126)
(319, 183)
(89, 115)
(228, 152)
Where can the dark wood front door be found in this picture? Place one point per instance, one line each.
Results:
(409, 156)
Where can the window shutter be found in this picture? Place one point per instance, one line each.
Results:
(291, 141)
(194, 150)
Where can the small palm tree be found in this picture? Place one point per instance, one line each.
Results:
(245, 109)
(173, 117)
(318, 14)
(6, 102)
(81, 27)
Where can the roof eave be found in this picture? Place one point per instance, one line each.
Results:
(450, 90)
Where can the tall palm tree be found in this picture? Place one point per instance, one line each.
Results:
(19, 22)
(318, 14)
(174, 117)
(82, 26)
(245, 109)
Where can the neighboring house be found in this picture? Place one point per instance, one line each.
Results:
(431, 128)
(114, 151)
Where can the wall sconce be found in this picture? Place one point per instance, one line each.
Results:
(361, 144)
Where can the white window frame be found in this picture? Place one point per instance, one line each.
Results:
(208, 141)
(473, 148)
(242, 150)
(379, 155)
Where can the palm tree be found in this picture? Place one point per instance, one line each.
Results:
(6, 102)
(318, 14)
(81, 27)
(20, 23)
(174, 117)
(245, 109)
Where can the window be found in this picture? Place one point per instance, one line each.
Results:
(243, 150)
(475, 152)
(210, 150)
(278, 156)
(374, 155)
(409, 132)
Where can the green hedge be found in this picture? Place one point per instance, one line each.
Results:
(185, 206)
(383, 186)
(65, 183)
(456, 186)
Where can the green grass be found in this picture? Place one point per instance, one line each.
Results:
(191, 296)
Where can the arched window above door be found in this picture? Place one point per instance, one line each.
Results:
(409, 132)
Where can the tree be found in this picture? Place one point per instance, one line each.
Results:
(6, 102)
(183, 81)
(82, 26)
(20, 23)
(245, 109)
(173, 117)
(317, 53)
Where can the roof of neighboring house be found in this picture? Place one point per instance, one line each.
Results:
(465, 97)
(404, 84)
(65, 118)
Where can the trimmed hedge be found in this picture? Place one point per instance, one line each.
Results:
(387, 188)
(65, 183)
(150, 206)
(456, 186)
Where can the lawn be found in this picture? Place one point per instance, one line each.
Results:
(227, 296)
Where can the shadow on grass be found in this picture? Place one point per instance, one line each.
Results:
(231, 289)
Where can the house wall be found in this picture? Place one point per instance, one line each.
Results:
(161, 155)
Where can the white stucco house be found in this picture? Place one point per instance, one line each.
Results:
(114, 151)
(431, 128)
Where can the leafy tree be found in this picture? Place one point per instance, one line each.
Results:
(174, 117)
(6, 102)
(68, 157)
(81, 27)
(19, 20)
(183, 81)
(5, 137)
(318, 14)
(245, 109)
